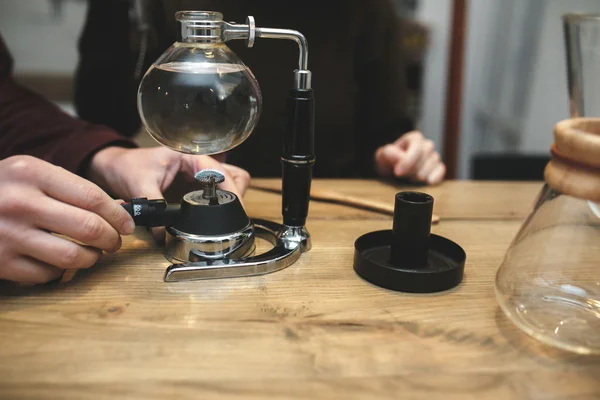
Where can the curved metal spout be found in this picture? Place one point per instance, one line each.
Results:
(249, 31)
(288, 34)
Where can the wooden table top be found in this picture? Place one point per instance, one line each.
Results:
(313, 330)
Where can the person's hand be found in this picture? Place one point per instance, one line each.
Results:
(411, 156)
(52, 220)
(129, 173)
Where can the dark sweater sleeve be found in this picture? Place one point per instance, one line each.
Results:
(105, 68)
(31, 125)
(380, 74)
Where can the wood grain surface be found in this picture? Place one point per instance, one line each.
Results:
(313, 330)
(330, 196)
(452, 200)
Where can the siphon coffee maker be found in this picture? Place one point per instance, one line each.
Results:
(549, 281)
(198, 97)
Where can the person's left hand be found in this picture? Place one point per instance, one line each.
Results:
(411, 156)
(128, 173)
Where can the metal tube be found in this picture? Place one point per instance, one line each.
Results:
(288, 34)
(248, 31)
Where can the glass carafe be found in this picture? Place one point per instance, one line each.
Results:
(199, 97)
(549, 281)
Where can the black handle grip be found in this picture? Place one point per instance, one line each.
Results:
(298, 157)
(152, 213)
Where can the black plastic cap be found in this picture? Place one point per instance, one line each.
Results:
(409, 258)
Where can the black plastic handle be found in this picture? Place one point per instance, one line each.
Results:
(152, 213)
(298, 157)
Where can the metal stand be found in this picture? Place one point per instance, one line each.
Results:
(286, 250)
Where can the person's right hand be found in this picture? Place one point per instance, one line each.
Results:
(411, 156)
(38, 202)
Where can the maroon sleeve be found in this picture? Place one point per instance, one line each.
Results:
(31, 125)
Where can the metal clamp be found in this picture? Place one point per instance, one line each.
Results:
(251, 31)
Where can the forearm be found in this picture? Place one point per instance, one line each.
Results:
(31, 125)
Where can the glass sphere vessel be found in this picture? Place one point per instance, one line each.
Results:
(198, 97)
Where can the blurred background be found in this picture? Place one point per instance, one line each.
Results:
(513, 92)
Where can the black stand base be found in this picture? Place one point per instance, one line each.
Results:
(409, 258)
(443, 270)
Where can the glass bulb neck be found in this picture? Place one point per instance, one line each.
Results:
(201, 26)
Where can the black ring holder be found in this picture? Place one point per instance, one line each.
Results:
(409, 258)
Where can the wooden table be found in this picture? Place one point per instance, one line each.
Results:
(314, 330)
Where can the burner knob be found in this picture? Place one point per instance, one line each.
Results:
(209, 179)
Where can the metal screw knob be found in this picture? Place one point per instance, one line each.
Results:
(209, 179)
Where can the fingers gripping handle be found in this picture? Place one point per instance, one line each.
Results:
(157, 212)
(151, 213)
